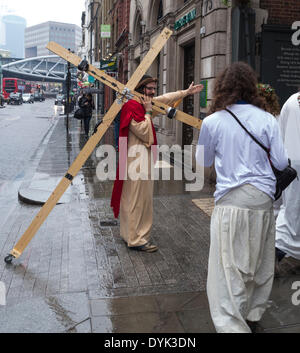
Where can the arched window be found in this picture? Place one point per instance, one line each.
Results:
(138, 29)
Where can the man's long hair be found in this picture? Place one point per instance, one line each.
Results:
(143, 82)
(237, 82)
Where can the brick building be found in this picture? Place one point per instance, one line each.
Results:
(113, 48)
(281, 12)
(121, 15)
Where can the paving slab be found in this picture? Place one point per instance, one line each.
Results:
(53, 314)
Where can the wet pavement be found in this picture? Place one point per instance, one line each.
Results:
(77, 275)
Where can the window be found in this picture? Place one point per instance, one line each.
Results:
(160, 11)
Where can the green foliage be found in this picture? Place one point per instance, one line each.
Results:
(226, 2)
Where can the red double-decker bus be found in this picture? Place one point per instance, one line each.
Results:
(12, 85)
(28, 87)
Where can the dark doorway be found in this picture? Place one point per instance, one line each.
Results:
(188, 102)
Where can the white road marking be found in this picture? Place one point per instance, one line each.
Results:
(13, 118)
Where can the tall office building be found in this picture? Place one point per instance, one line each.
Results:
(38, 36)
(12, 30)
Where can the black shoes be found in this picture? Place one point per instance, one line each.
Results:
(146, 248)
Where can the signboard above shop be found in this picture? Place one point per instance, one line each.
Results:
(187, 18)
(109, 65)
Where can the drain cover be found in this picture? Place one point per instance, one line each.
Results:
(109, 223)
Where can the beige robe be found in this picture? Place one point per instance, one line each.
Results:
(136, 207)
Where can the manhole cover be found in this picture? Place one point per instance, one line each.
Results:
(109, 223)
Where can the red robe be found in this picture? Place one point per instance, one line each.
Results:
(131, 110)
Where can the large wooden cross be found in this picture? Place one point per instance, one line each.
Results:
(124, 93)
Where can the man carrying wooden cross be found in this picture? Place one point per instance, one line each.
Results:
(133, 198)
(124, 93)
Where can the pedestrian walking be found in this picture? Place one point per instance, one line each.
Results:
(133, 197)
(288, 220)
(87, 104)
(57, 111)
(242, 248)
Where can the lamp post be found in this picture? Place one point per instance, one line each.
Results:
(68, 86)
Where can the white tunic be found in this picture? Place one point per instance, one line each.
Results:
(238, 158)
(288, 220)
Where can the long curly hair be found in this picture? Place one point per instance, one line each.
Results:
(236, 82)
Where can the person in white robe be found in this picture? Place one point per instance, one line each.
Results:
(242, 232)
(288, 220)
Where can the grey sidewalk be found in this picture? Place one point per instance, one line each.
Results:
(77, 275)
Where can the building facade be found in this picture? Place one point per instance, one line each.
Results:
(38, 36)
(207, 36)
(5, 53)
(107, 48)
(12, 35)
(114, 50)
(188, 55)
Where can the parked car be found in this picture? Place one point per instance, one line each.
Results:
(2, 100)
(60, 99)
(28, 98)
(38, 96)
(15, 98)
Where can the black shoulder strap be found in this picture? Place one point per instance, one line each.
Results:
(254, 138)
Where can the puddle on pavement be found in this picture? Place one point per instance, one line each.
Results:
(61, 313)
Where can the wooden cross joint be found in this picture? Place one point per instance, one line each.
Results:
(124, 96)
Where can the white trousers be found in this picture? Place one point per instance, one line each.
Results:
(241, 258)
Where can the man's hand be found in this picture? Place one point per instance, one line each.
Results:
(147, 103)
(193, 89)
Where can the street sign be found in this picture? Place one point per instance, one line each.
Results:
(91, 79)
(105, 31)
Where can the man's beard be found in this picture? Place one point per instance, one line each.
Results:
(150, 95)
